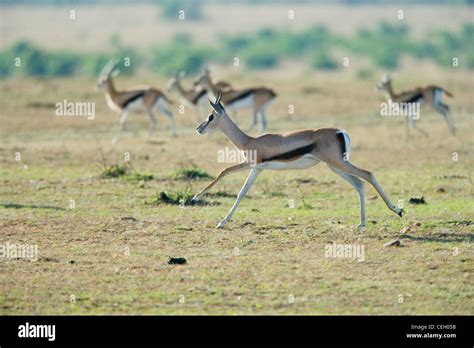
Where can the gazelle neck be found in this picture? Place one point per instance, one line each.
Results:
(234, 133)
(211, 88)
(181, 90)
(111, 88)
(389, 91)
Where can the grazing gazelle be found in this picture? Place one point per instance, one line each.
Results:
(140, 97)
(195, 98)
(257, 98)
(297, 150)
(429, 95)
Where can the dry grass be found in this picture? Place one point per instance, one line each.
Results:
(83, 251)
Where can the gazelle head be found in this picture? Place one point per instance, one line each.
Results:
(214, 121)
(174, 81)
(385, 83)
(108, 73)
(204, 80)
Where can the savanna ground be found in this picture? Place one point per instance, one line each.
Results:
(110, 252)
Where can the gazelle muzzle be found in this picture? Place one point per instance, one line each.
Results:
(202, 127)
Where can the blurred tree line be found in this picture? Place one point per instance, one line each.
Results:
(383, 45)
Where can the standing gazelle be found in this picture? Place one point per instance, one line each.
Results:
(297, 150)
(139, 97)
(429, 95)
(195, 98)
(257, 98)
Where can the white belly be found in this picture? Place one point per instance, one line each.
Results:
(203, 100)
(304, 162)
(246, 102)
(135, 105)
(161, 104)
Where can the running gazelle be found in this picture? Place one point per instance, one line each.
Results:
(429, 95)
(296, 150)
(123, 102)
(195, 98)
(257, 98)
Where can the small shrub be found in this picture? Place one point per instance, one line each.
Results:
(364, 73)
(260, 56)
(191, 173)
(166, 60)
(115, 171)
(140, 176)
(321, 60)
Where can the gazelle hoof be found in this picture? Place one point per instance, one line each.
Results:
(399, 212)
(221, 224)
(361, 227)
(194, 200)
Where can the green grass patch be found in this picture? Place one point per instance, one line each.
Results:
(126, 172)
(190, 173)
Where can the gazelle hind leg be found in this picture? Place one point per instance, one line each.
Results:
(349, 168)
(262, 115)
(243, 191)
(163, 107)
(443, 109)
(359, 186)
(152, 123)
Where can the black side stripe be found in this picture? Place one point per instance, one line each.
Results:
(198, 96)
(414, 98)
(293, 154)
(242, 95)
(133, 98)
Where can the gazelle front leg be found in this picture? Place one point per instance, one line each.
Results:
(243, 191)
(414, 125)
(262, 121)
(407, 129)
(123, 118)
(233, 169)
